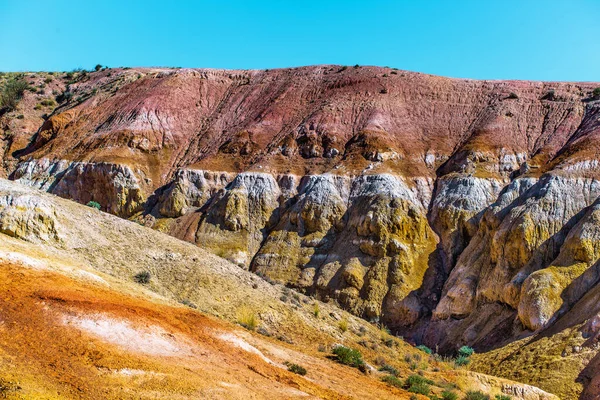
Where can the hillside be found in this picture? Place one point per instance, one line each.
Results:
(455, 212)
(77, 323)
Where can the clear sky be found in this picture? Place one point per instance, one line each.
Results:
(491, 39)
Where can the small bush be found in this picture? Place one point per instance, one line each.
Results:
(419, 388)
(596, 92)
(316, 310)
(388, 368)
(187, 302)
(502, 397)
(12, 92)
(550, 95)
(461, 361)
(247, 318)
(383, 91)
(348, 356)
(392, 381)
(295, 368)
(476, 395)
(64, 97)
(424, 349)
(512, 95)
(98, 67)
(48, 79)
(142, 277)
(448, 395)
(417, 379)
(20, 116)
(466, 351)
(93, 204)
(343, 325)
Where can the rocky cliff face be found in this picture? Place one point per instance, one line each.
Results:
(454, 211)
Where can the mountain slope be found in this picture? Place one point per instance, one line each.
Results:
(453, 211)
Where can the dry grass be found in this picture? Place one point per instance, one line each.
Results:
(247, 318)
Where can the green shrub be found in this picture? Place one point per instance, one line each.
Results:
(419, 388)
(48, 79)
(425, 349)
(295, 368)
(343, 325)
(388, 368)
(93, 204)
(98, 67)
(64, 97)
(393, 381)
(12, 92)
(48, 102)
(596, 92)
(448, 395)
(476, 395)
(465, 351)
(348, 356)
(142, 277)
(417, 380)
(502, 397)
(462, 361)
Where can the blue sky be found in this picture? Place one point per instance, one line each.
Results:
(487, 39)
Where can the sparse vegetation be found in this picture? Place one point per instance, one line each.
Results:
(424, 349)
(512, 95)
(449, 395)
(550, 95)
(476, 395)
(187, 302)
(246, 317)
(142, 277)
(351, 357)
(98, 67)
(295, 368)
(393, 381)
(502, 397)
(48, 103)
(596, 92)
(461, 361)
(343, 325)
(316, 310)
(94, 204)
(418, 384)
(66, 96)
(466, 351)
(389, 369)
(12, 92)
